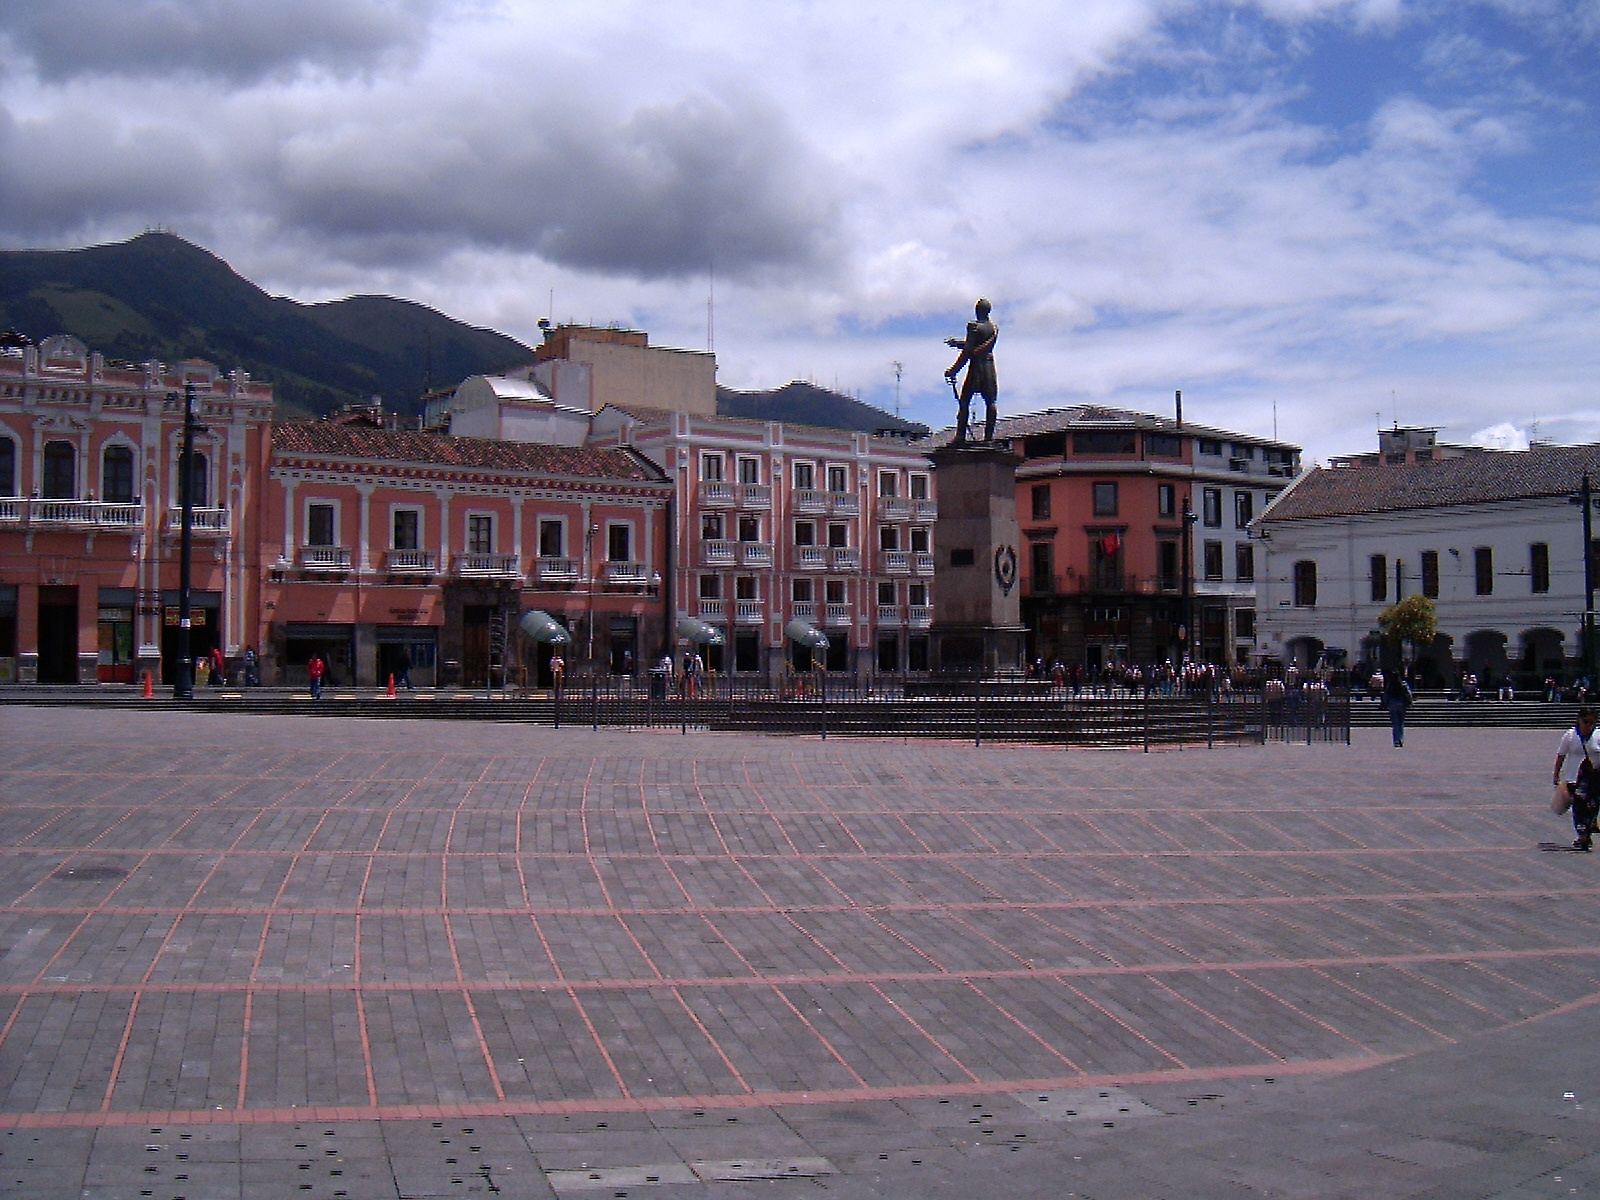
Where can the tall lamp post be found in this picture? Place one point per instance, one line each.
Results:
(183, 676)
(1186, 548)
(1585, 498)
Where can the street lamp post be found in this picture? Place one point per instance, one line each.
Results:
(1186, 580)
(1586, 499)
(183, 676)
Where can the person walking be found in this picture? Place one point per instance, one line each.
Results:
(558, 673)
(316, 669)
(402, 670)
(1397, 698)
(252, 667)
(1574, 778)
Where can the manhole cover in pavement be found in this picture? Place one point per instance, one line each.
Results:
(89, 874)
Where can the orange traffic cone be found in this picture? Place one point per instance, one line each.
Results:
(391, 687)
(149, 686)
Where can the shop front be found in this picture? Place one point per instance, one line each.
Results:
(117, 662)
(8, 633)
(407, 650)
(335, 644)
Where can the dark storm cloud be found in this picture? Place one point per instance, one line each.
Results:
(239, 40)
(662, 195)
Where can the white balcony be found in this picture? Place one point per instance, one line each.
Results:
(809, 500)
(836, 616)
(893, 508)
(80, 514)
(552, 568)
(924, 510)
(410, 562)
(211, 522)
(919, 616)
(755, 495)
(844, 504)
(747, 612)
(894, 562)
(626, 574)
(845, 558)
(714, 493)
(487, 566)
(922, 562)
(711, 610)
(324, 558)
(10, 511)
(755, 554)
(889, 616)
(803, 610)
(718, 554)
(811, 558)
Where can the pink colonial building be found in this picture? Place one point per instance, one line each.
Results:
(89, 512)
(777, 522)
(379, 543)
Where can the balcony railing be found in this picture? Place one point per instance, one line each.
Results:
(803, 610)
(894, 562)
(410, 562)
(893, 508)
(889, 616)
(715, 553)
(755, 495)
(747, 612)
(626, 574)
(711, 609)
(811, 558)
(10, 510)
(755, 554)
(836, 615)
(809, 500)
(85, 514)
(487, 566)
(324, 558)
(844, 504)
(552, 568)
(924, 510)
(922, 562)
(845, 558)
(714, 493)
(208, 521)
(919, 616)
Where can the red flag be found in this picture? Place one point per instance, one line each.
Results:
(1110, 544)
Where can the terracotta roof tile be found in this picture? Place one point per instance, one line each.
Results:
(326, 440)
(1472, 479)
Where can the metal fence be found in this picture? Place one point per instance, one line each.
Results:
(979, 711)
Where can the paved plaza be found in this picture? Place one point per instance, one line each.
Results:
(272, 956)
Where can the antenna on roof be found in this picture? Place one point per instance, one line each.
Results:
(898, 368)
(711, 307)
(1274, 420)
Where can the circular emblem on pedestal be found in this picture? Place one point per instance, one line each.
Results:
(1005, 569)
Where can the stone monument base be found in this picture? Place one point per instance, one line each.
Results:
(982, 650)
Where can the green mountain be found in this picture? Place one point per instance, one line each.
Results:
(807, 404)
(158, 296)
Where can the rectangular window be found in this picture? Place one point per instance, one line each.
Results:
(1483, 570)
(1105, 499)
(1211, 446)
(749, 529)
(838, 479)
(917, 594)
(919, 540)
(319, 525)
(1305, 583)
(1378, 566)
(833, 592)
(963, 558)
(888, 537)
(888, 483)
(1041, 502)
(1166, 500)
(619, 543)
(407, 531)
(1043, 568)
(744, 588)
(749, 470)
(802, 590)
(552, 543)
(711, 587)
(838, 535)
(1244, 625)
(919, 487)
(1213, 560)
(805, 533)
(1430, 574)
(480, 533)
(1244, 562)
(1163, 445)
(711, 527)
(1240, 450)
(886, 592)
(1103, 441)
(116, 476)
(805, 476)
(1211, 508)
(711, 468)
(8, 469)
(1539, 566)
(1167, 573)
(1244, 509)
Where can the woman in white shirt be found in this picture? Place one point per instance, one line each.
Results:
(1576, 788)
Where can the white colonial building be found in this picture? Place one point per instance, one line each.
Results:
(1493, 538)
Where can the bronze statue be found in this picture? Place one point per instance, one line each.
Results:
(977, 352)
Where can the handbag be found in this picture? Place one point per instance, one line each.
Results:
(1561, 799)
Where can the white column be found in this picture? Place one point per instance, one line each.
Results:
(289, 486)
(363, 560)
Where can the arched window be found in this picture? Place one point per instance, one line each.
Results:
(116, 475)
(200, 474)
(8, 467)
(60, 472)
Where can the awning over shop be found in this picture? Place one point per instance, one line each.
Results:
(699, 632)
(803, 633)
(542, 627)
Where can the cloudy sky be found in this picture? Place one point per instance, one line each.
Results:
(1325, 212)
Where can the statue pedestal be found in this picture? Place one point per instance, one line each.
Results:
(977, 627)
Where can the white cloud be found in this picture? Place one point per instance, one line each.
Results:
(1504, 436)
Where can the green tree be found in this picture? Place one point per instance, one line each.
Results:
(1410, 622)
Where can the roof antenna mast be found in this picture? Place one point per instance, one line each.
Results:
(711, 308)
(898, 368)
